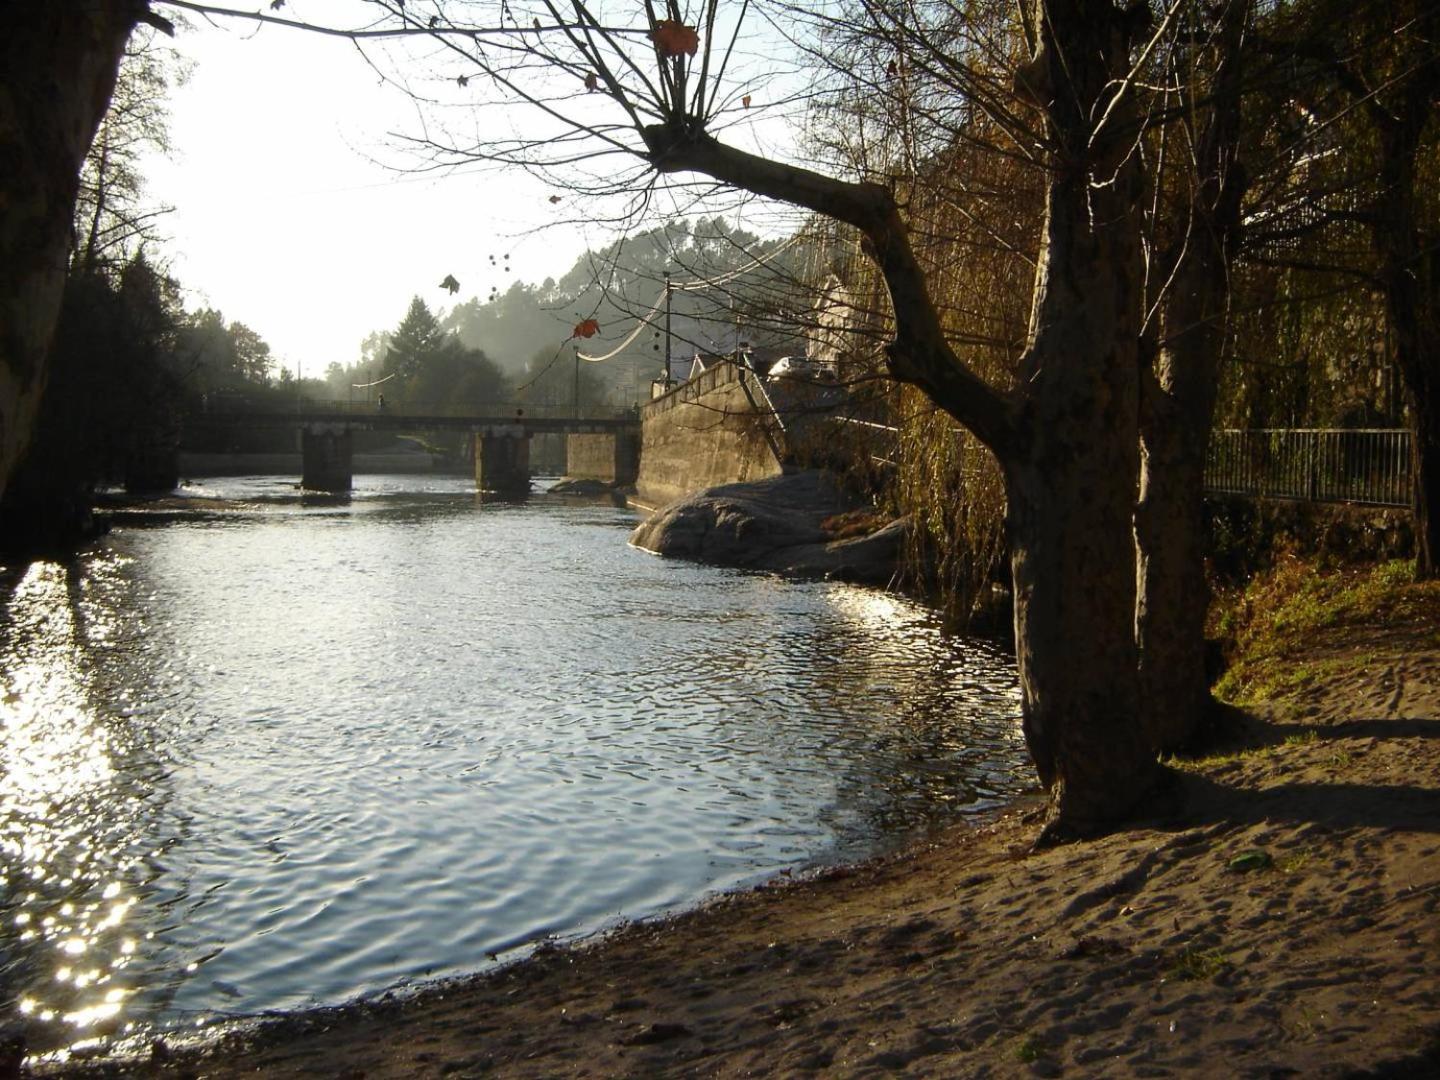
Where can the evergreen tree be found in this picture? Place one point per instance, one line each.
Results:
(416, 339)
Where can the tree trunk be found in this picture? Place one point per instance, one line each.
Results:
(1071, 490)
(1408, 270)
(60, 61)
(1178, 407)
(1170, 531)
(1425, 465)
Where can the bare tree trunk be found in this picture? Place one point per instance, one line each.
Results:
(60, 61)
(1409, 271)
(1178, 407)
(1170, 525)
(1071, 486)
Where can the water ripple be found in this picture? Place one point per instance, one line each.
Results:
(291, 756)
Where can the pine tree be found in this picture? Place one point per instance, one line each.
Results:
(415, 340)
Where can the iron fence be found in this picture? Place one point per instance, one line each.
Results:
(1317, 464)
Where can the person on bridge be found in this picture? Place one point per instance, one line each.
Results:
(380, 403)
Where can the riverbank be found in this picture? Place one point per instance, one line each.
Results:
(1284, 922)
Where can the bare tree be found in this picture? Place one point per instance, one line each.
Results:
(1195, 238)
(112, 215)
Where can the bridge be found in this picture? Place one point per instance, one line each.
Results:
(602, 442)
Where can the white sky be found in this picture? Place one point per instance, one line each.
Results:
(287, 219)
(293, 212)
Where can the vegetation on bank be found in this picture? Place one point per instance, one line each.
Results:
(1304, 620)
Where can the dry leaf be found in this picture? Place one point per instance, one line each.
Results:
(675, 39)
(586, 328)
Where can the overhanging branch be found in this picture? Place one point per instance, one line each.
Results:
(920, 353)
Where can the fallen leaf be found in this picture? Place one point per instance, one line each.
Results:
(1254, 859)
(673, 38)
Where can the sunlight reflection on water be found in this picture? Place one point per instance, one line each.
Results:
(291, 755)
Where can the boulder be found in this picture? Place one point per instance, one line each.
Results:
(777, 525)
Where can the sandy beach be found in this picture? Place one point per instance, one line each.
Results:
(1279, 920)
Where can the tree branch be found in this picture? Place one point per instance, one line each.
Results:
(920, 353)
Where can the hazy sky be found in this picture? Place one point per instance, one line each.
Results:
(288, 219)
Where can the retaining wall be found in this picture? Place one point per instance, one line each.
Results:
(703, 433)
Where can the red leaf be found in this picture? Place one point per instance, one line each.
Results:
(592, 82)
(674, 39)
(745, 101)
(586, 328)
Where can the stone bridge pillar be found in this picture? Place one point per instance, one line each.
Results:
(502, 459)
(326, 459)
(612, 456)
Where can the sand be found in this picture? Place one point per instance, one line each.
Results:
(1282, 923)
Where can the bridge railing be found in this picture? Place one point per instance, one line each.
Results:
(219, 408)
(1370, 466)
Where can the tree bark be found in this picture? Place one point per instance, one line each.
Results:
(1178, 407)
(1071, 483)
(60, 61)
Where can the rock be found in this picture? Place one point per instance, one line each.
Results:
(775, 525)
(581, 487)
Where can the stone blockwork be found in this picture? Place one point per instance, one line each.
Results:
(502, 459)
(704, 433)
(326, 459)
(610, 457)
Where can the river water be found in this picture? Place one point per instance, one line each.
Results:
(285, 755)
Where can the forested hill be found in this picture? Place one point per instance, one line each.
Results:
(524, 326)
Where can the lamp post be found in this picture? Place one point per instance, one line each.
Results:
(668, 293)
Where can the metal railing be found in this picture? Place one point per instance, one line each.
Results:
(219, 407)
(1369, 466)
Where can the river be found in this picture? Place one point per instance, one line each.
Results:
(279, 755)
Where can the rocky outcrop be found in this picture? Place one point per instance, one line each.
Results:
(778, 524)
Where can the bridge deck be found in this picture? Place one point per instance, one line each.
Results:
(392, 420)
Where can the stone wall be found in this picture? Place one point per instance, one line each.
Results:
(703, 433)
(608, 457)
